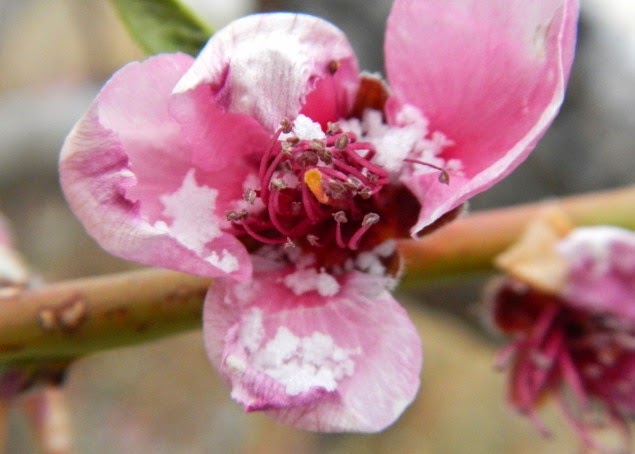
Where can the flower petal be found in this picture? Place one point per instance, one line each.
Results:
(601, 276)
(125, 169)
(266, 65)
(490, 75)
(334, 355)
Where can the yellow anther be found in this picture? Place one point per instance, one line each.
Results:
(313, 179)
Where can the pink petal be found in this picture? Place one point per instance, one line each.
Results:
(125, 171)
(601, 275)
(313, 352)
(490, 75)
(266, 65)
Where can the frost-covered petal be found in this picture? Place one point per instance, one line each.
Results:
(125, 170)
(314, 351)
(601, 270)
(266, 65)
(490, 75)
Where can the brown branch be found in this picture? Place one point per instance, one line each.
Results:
(67, 319)
(469, 244)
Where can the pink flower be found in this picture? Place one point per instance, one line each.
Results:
(576, 341)
(269, 163)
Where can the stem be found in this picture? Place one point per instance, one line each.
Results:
(59, 322)
(469, 244)
(69, 319)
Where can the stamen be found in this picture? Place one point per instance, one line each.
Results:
(307, 159)
(328, 171)
(365, 163)
(250, 196)
(365, 193)
(340, 218)
(342, 142)
(309, 206)
(235, 216)
(336, 190)
(444, 176)
(317, 145)
(332, 128)
(270, 151)
(313, 240)
(286, 125)
(278, 183)
(267, 177)
(326, 156)
(369, 220)
(286, 148)
(274, 210)
(261, 238)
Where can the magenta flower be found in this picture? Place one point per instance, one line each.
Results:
(271, 164)
(578, 342)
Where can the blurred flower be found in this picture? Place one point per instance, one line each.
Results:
(271, 164)
(569, 303)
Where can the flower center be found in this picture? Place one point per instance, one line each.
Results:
(317, 192)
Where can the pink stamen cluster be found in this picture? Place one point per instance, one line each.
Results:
(316, 192)
(570, 352)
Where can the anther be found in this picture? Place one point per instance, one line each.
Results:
(250, 196)
(370, 219)
(352, 183)
(340, 217)
(332, 128)
(289, 244)
(286, 166)
(325, 155)
(286, 126)
(336, 190)
(235, 216)
(308, 159)
(365, 192)
(313, 240)
(317, 145)
(342, 142)
(287, 148)
(293, 140)
(278, 183)
(444, 176)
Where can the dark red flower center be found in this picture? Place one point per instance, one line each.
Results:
(317, 192)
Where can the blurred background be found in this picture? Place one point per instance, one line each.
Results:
(164, 397)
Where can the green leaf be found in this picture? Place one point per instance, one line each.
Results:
(163, 25)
